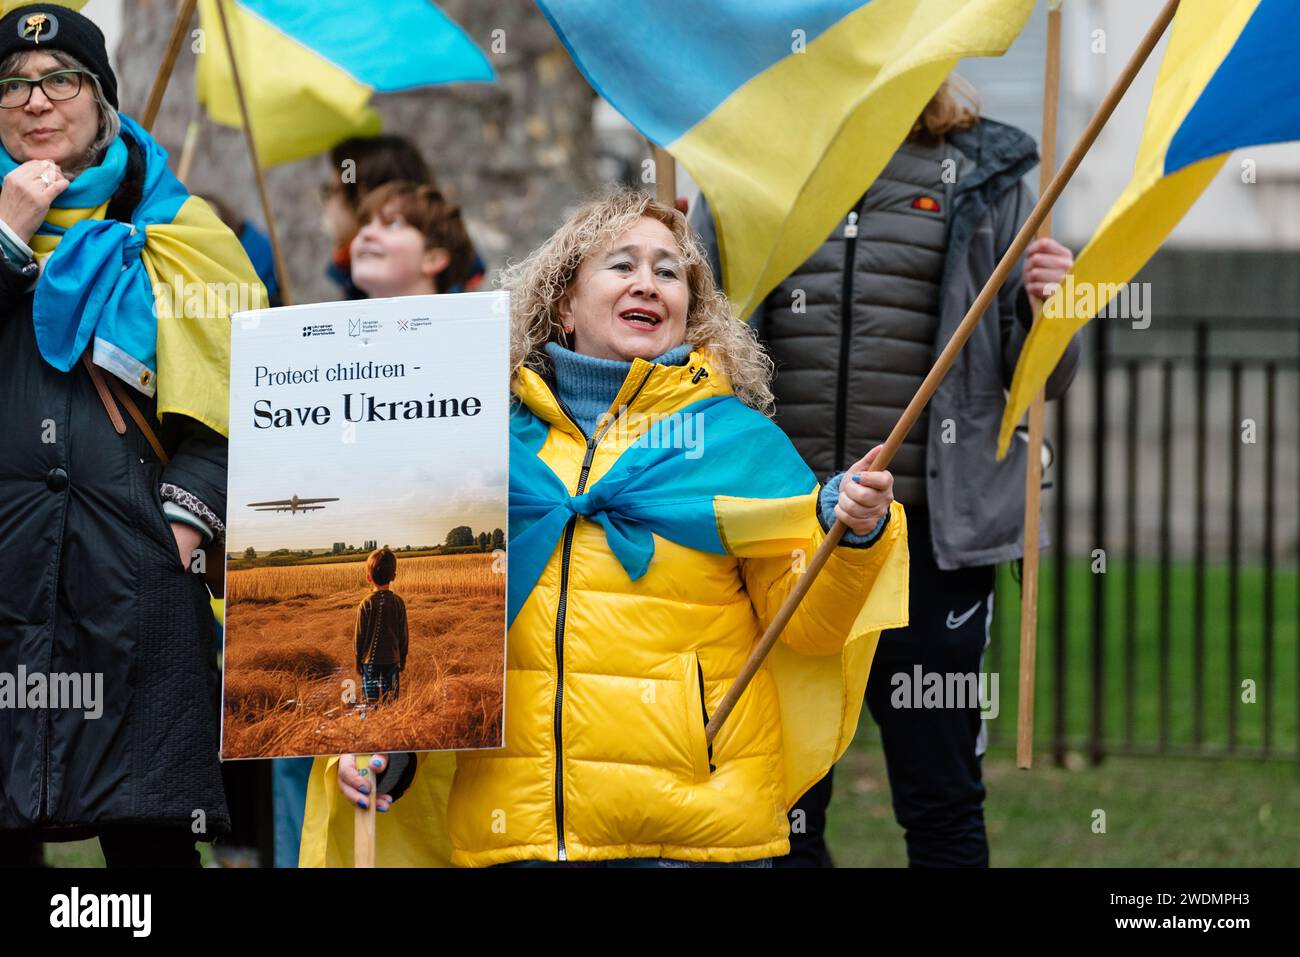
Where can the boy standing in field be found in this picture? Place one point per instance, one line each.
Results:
(381, 637)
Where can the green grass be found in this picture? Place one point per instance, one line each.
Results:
(88, 854)
(1159, 811)
(1221, 690)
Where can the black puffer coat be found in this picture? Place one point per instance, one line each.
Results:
(836, 390)
(91, 583)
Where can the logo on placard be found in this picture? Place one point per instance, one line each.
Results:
(319, 329)
(354, 327)
(414, 324)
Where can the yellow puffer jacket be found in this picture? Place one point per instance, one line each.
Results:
(608, 680)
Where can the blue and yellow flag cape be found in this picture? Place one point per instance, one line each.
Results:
(752, 489)
(783, 111)
(309, 69)
(649, 491)
(152, 297)
(1230, 78)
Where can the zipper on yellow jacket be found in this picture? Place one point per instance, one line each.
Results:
(562, 604)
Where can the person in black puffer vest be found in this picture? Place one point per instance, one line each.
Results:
(866, 316)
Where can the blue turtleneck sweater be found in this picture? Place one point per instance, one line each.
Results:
(588, 386)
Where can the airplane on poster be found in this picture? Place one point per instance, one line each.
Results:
(294, 504)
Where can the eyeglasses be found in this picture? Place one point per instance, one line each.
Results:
(15, 91)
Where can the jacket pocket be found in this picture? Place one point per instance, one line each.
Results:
(151, 476)
(697, 718)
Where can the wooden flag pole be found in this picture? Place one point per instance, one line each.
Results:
(282, 273)
(1034, 467)
(923, 395)
(179, 28)
(665, 176)
(190, 148)
(363, 844)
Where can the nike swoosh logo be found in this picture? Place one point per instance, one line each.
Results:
(965, 617)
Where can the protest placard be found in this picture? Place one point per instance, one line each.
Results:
(365, 543)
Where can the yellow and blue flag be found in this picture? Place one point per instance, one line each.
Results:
(1230, 78)
(309, 69)
(783, 111)
(151, 298)
(9, 6)
(651, 491)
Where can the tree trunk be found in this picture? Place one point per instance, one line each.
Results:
(515, 154)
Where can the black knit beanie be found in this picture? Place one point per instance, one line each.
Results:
(48, 26)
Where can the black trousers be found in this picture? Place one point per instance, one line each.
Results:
(124, 845)
(932, 754)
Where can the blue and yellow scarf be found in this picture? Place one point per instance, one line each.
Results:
(649, 491)
(97, 288)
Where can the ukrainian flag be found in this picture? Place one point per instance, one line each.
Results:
(9, 6)
(1230, 78)
(783, 111)
(309, 69)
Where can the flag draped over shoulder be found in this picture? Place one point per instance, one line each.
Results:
(783, 111)
(309, 69)
(752, 490)
(152, 297)
(653, 490)
(1230, 78)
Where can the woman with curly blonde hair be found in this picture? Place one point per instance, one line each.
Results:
(539, 284)
(657, 519)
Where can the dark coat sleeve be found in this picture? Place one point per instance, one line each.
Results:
(398, 775)
(14, 284)
(198, 460)
(1015, 311)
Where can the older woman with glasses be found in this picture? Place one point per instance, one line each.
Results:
(113, 408)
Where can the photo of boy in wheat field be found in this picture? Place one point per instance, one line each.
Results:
(330, 658)
(381, 636)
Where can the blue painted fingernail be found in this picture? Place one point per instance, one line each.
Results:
(856, 479)
(361, 802)
(364, 789)
(383, 810)
(376, 762)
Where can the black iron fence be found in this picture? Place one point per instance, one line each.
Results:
(1169, 615)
